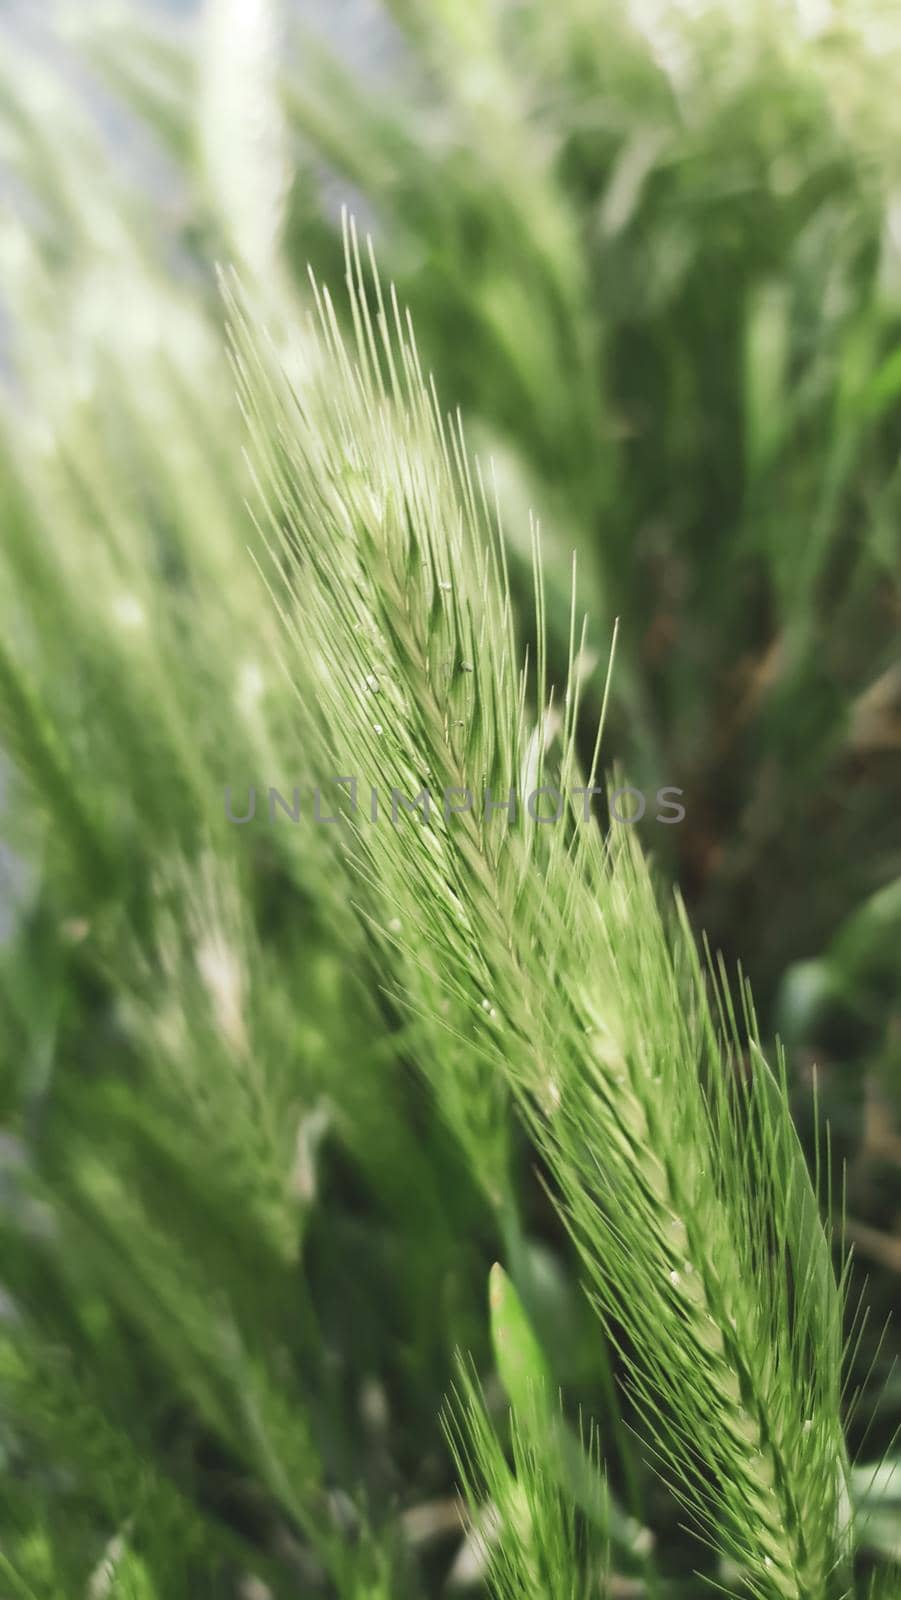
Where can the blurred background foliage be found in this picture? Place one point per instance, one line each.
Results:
(654, 254)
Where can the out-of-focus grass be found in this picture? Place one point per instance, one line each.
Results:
(659, 267)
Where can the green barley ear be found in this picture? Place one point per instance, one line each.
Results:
(567, 1465)
(541, 950)
(530, 1541)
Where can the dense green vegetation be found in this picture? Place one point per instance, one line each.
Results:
(276, 1097)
